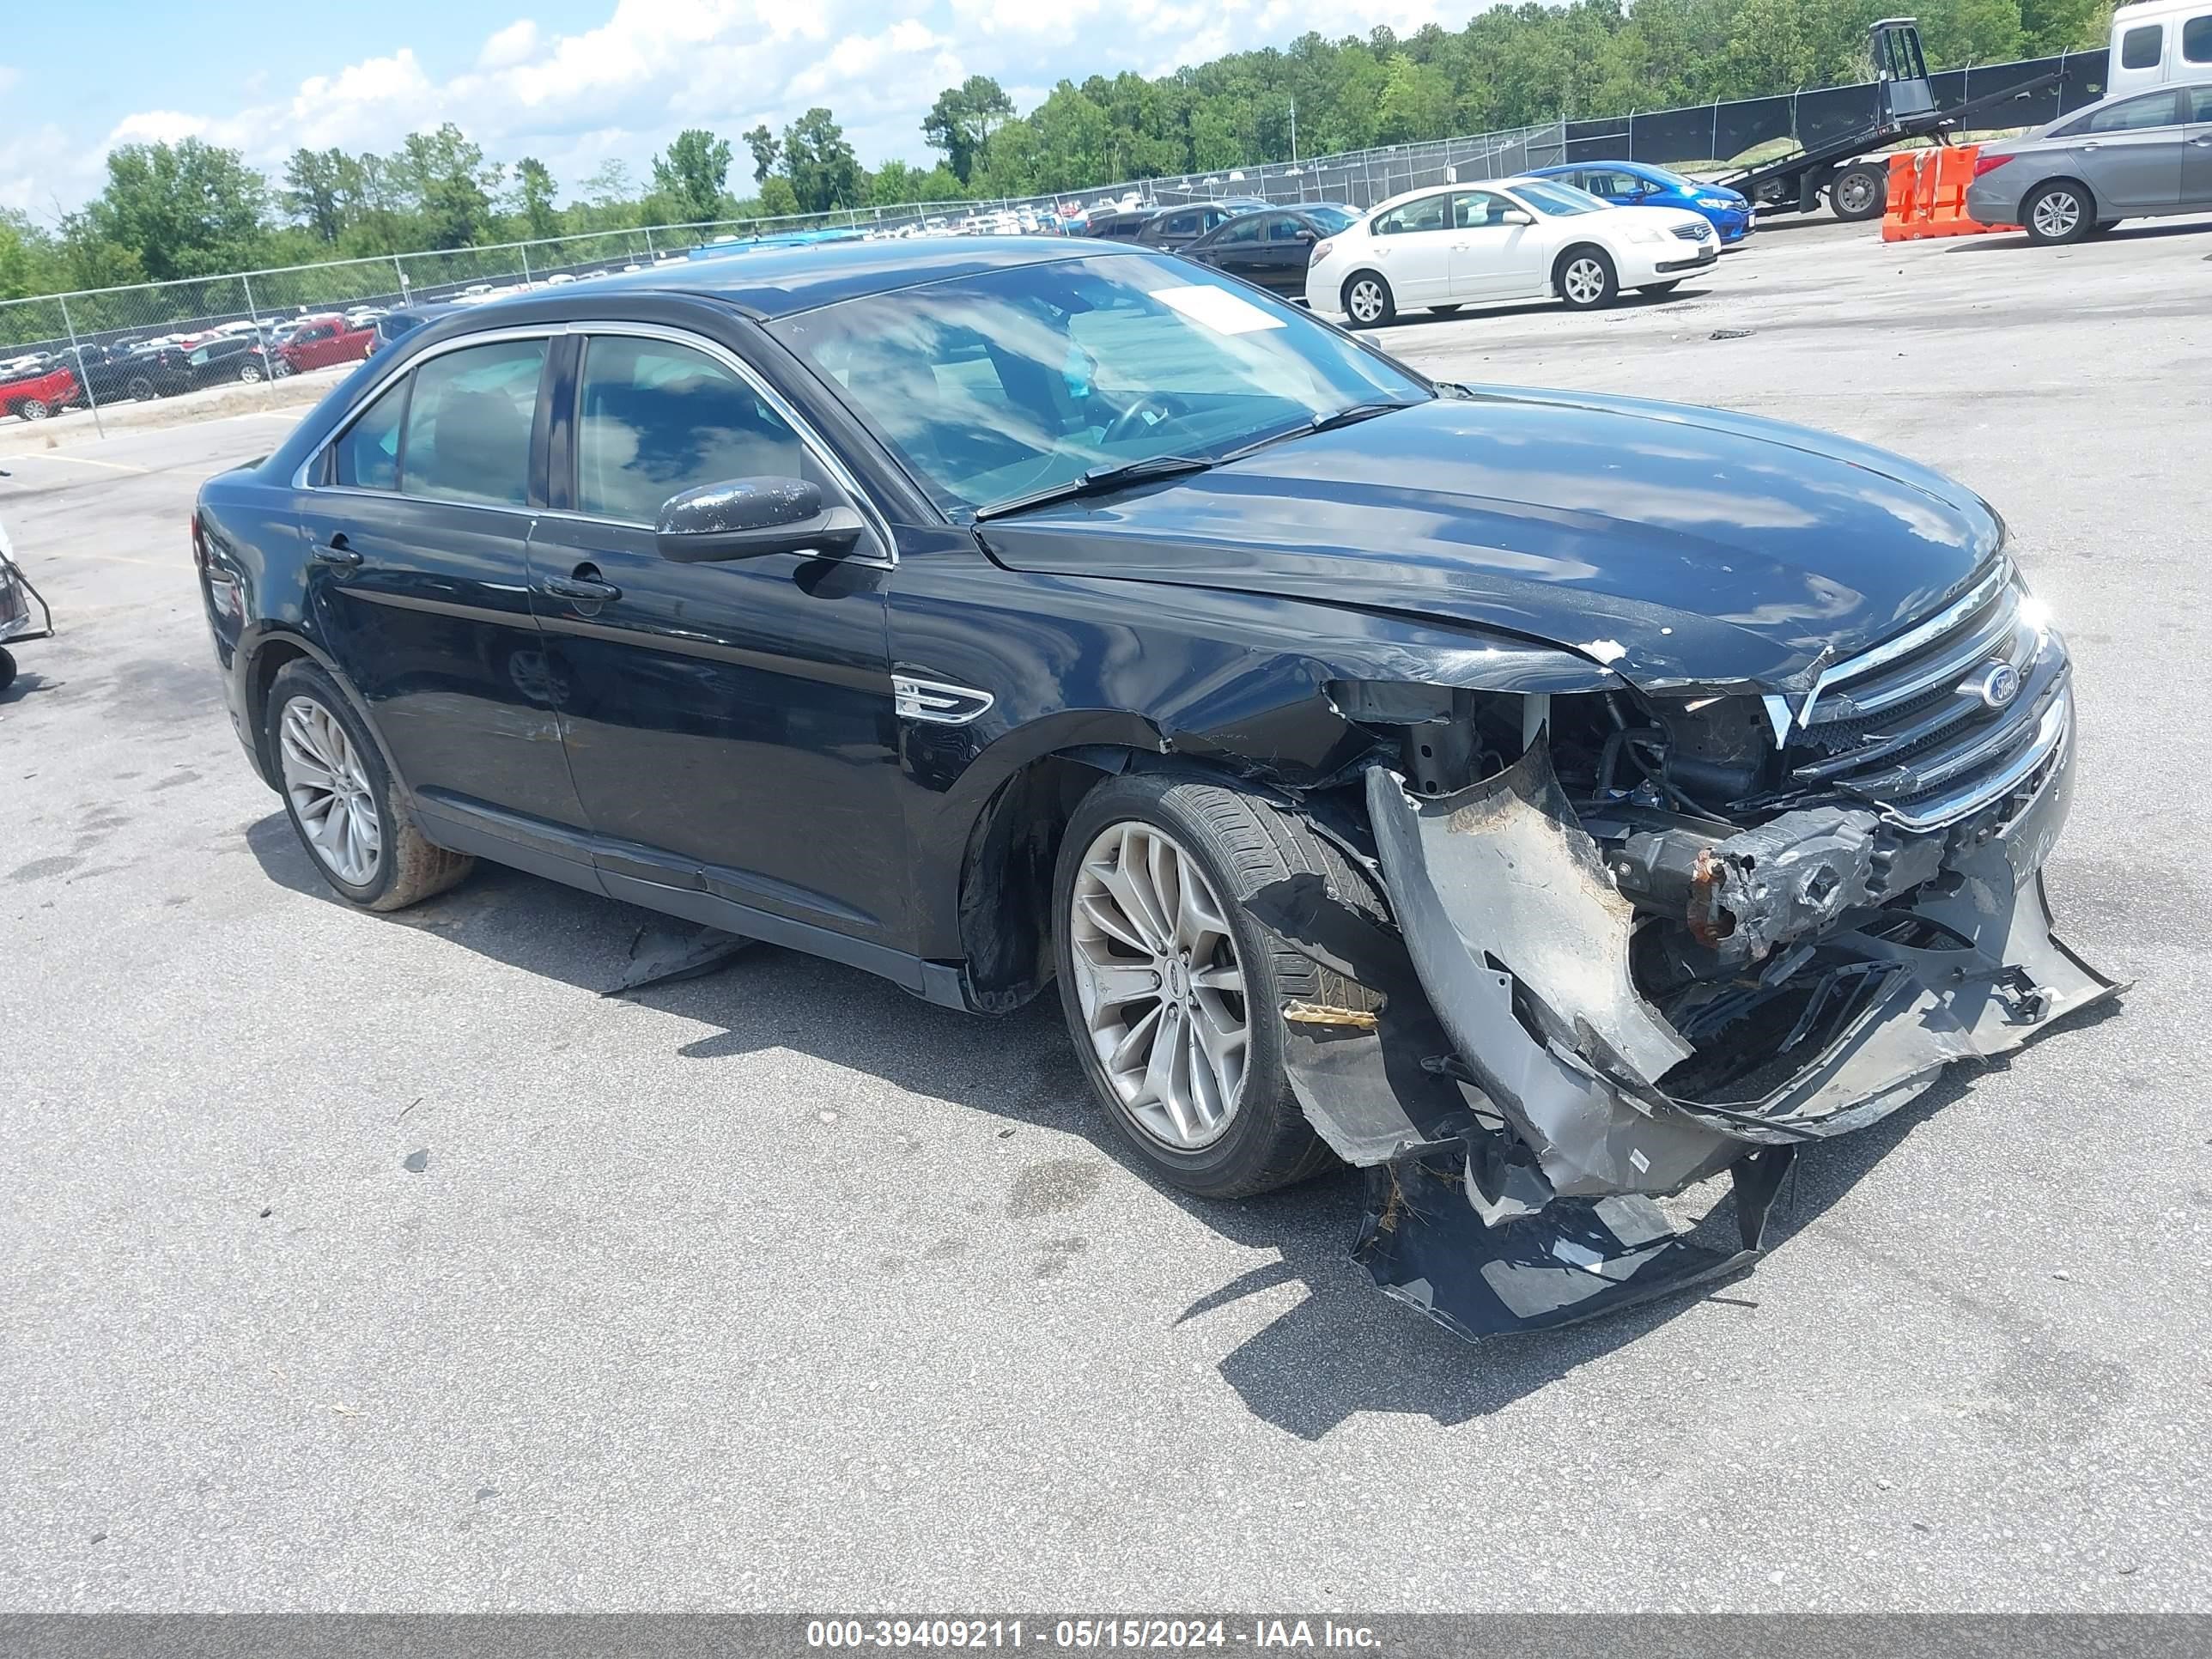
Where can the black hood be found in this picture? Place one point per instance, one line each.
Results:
(1674, 543)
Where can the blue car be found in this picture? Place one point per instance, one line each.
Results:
(1634, 184)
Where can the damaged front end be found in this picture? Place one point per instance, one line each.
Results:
(1645, 940)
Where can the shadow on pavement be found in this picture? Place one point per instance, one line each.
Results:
(1343, 1349)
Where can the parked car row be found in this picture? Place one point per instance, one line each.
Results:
(35, 385)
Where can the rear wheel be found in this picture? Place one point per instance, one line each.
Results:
(339, 797)
(1367, 300)
(141, 389)
(1585, 278)
(34, 409)
(1859, 192)
(2060, 211)
(1173, 994)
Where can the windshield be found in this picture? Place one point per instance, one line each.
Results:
(1548, 195)
(996, 387)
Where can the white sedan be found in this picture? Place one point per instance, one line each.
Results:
(1519, 239)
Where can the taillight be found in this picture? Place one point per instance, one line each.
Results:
(1320, 250)
(1987, 163)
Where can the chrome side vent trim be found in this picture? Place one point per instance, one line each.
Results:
(936, 703)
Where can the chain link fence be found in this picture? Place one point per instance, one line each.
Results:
(99, 355)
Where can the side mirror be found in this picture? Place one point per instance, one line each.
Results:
(1303, 235)
(747, 518)
(1515, 216)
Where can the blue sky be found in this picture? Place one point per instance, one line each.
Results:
(574, 83)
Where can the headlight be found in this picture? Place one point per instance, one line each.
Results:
(1650, 233)
(1718, 203)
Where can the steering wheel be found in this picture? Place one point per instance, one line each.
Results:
(1126, 421)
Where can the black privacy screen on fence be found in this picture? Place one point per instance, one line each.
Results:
(1713, 135)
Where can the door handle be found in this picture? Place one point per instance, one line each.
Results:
(337, 551)
(2091, 145)
(589, 590)
(2205, 143)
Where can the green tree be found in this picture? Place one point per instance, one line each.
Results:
(29, 262)
(1417, 102)
(182, 209)
(449, 183)
(533, 189)
(963, 118)
(312, 190)
(823, 172)
(767, 150)
(691, 176)
(778, 200)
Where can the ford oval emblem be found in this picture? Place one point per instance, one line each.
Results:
(1996, 685)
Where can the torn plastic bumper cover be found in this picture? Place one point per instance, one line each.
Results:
(1520, 1103)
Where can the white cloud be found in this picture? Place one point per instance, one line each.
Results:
(622, 89)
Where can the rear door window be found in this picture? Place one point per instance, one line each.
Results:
(2156, 109)
(467, 433)
(367, 457)
(2196, 45)
(655, 419)
(1427, 213)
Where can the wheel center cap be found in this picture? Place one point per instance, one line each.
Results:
(1176, 978)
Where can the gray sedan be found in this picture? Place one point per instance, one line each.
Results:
(2132, 157)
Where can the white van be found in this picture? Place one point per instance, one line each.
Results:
(2159, 41)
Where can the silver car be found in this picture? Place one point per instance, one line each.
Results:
(2131, 157)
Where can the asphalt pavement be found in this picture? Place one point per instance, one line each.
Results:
(381, 1262)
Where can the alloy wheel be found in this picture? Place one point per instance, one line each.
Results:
(1365, 299)
(1160, 985)
(2056, 213)
(329, 788)
(250, 373)
(1584, 280)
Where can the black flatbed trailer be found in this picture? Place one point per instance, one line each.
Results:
(1904, 108)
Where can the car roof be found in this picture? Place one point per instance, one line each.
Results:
(781, 281)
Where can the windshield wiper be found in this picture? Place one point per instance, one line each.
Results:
(1097, 481)
(1350, 415)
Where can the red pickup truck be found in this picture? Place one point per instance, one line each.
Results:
(34, 397)
(318, 342)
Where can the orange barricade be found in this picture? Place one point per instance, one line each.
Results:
(1897, 211)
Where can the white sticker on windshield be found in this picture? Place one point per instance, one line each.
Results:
(1218, 308)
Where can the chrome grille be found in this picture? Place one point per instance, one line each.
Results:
(1907, 726)
(1693, 233)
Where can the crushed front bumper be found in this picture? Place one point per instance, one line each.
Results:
(1512, 1097)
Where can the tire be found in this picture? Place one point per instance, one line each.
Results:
(2059, 213)
(1239, 843)
(407, 868)
(1859, 192)
(249, 373)
(1443, 311)
(1658, 291)
(34, 409)
(1586, 270)
(7, 668)
(140, 390)
(1367, 300)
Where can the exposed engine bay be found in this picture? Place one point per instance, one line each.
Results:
(1647, 940)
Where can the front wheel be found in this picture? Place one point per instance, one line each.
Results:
(141, 389)
(2059, 213)
(1858, 193)
(249, 373)
(339, 797)
(1174, 992)
(7, 668)
(1586, 279)
(1367, 302)
(1656, 289)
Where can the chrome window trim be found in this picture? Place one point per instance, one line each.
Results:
(877, 524)
(489, 336)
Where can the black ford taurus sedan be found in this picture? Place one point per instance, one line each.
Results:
(1547, 801)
